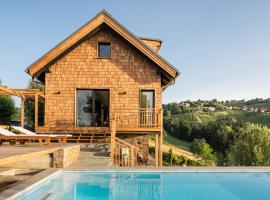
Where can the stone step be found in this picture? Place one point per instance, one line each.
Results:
(94, 147)
(91, 159)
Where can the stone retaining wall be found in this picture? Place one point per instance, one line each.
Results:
(65, 157)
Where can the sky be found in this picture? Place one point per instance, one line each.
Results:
(221, 47)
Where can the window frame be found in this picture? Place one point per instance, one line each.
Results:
(104, 43)
(76, 105)
(154, 97)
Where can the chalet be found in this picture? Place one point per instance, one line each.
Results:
(104, 84)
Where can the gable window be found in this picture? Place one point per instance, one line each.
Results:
(104, 50)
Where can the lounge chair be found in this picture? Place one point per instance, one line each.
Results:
(6, 135)
(60, 138)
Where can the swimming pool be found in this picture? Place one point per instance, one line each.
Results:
(82, 185)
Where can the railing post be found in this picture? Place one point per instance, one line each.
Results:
(156, 149)
(132, 157)
(113, 133)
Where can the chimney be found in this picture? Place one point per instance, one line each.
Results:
(154, 44)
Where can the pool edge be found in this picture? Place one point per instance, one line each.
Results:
(38, 179)
(21, 188)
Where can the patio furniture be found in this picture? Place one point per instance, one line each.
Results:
(6, 135)
(60, 138)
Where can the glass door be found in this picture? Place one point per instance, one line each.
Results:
(147, 106)
(92, 108)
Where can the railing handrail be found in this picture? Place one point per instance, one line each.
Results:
(138, 118)
(138, 109)
(127, 144)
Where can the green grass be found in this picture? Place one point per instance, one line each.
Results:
(168, 139)
(177, 142)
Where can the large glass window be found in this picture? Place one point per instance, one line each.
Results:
(92, 108)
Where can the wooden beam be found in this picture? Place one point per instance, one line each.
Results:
(156, 149)
(9, 91)
(22, 111)
(137, 130)
(36, 111)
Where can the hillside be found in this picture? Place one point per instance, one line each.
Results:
(252, 117)
(178, 146)
(219, 130)
(254, 111)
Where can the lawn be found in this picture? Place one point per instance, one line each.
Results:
(178, 146)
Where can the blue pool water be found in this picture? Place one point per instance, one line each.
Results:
(152, 186)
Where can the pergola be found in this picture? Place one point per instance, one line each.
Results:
(31, 94)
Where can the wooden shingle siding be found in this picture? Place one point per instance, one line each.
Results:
(126, 71)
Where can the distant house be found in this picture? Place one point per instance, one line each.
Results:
(187, 105)
(198, 110)
(267, 111)
(262, 110)
(251, 109)
(229, 107)
(211, 109)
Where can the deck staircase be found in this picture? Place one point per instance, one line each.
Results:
(91, 136)
(92, 156)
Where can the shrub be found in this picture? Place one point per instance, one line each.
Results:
(201, 148)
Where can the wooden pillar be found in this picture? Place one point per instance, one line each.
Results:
(36, 111)
(22, 111)
(161, 140)
(156, 149)
(132, 156)
(113, 134)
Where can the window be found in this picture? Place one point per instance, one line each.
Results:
(92, 108)
(148, 99)
(147, 103)
(104, 50)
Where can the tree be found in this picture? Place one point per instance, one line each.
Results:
(174, 109)
(7, 109)
(201, 148)
(252, 147)
(30, 106)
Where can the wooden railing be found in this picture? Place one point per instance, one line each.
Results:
(140, 118)
(123, 153)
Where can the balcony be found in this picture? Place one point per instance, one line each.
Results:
(130, 120)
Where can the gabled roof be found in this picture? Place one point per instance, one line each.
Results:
(103, 18)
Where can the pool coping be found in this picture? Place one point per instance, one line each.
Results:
(172, 169)
(41, 177)
(28, 184)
